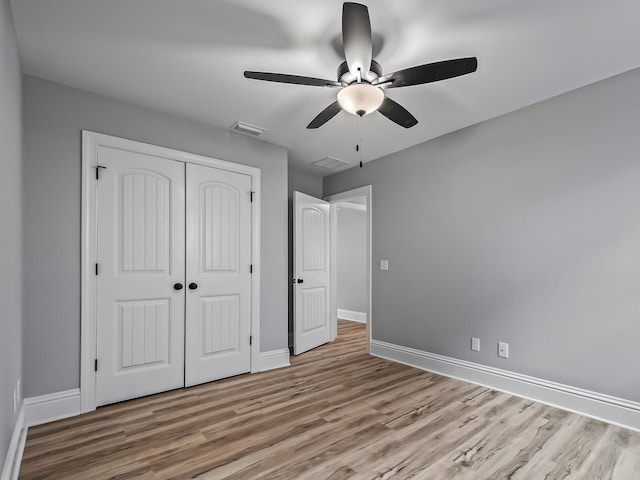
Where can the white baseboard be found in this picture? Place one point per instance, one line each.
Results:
(13, 459)
(274, 359)
(54, 406)
(352, 315)
(617, 411)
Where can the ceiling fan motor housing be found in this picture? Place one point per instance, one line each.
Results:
(346, 77)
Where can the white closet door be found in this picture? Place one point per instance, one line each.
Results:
(140, 314)
(218, 297)
(311, 269)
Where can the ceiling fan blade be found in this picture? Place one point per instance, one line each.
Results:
(397, 113)
(295, 79)
(430, 72)
(325, 115)
(356, 37)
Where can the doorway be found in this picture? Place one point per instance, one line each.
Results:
(356, 203)
(315, 247)
(351, 286)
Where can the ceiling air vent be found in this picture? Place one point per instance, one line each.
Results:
(330, 163)
(247, 129)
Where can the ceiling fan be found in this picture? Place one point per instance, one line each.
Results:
(360, 78)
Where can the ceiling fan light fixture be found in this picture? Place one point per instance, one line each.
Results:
(360, 98)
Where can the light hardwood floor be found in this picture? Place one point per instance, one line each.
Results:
(336, 413)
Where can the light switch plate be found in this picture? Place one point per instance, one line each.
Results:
(384, 264)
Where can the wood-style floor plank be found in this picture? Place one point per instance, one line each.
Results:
(336, 413)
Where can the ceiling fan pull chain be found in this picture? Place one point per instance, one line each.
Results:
(359, 140)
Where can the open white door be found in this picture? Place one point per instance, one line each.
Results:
(311, 272)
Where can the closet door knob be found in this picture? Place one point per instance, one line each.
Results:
(193, 286)
(177, 286)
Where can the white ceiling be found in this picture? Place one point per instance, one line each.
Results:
(187, 57)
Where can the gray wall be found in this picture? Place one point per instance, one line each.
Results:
(54, 118)
(311, 185)
(351, 254)
(523, 229)
(11, 222)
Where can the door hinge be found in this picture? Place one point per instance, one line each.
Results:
(251, 268)
(95, 365)
(251, 192)
(251, 340)
(97, 269)
(98, 167)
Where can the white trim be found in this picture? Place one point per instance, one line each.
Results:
(333, 271)
(274, 359)
(13, 459)
(360, 317)
(52, 407)
(617, 411)
(352, 206)
(35, 411)
(90, 143)
(88, 249)
(255, 277)
(336, 200)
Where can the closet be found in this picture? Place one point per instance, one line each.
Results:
(173, 285)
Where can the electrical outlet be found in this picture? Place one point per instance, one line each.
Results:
(475, 344)
(503, 349)
(384, 264)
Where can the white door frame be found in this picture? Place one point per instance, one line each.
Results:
(334, 200)
(91, 142)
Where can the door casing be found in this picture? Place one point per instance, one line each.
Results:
(91, 142)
